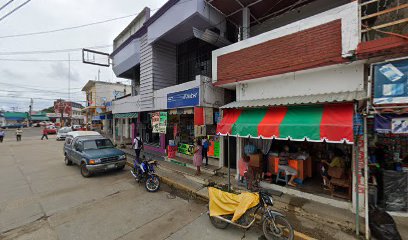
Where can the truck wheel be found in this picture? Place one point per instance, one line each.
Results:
(84, 171)
(67, 161)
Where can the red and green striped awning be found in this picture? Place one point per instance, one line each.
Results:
(331, 123)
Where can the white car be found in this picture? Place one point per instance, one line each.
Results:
(62, 133)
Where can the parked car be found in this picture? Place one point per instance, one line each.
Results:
(62, 133)
(15, 125)
(76, 127)
(37, 124)
(92, 152)
(51, 130)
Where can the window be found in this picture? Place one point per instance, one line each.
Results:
(193, 58)
(97, 144)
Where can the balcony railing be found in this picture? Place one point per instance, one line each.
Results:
(383, 18)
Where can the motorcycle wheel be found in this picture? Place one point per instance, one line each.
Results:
(283, 229)
(218, 223)
(152, 184)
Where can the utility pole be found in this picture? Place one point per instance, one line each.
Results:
(69, 86)
(30, 110)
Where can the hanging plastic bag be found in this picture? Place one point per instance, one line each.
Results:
(382, 225)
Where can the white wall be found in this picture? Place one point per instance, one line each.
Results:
(106, 91)
(126, 105)
(337, 78)
(348, 14)
(210, 96)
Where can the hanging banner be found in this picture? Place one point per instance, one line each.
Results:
(163, 122)
(391, 82)
(159, 122)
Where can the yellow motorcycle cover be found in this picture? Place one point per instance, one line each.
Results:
(224, 203)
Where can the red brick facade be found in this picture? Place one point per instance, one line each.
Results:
(310, 48)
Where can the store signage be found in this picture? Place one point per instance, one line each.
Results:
(186, 98)
(159, 122)
(391, 82)
(186, 149)
(399, 125)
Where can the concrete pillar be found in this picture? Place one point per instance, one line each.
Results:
(126, 127)
(239, 154)
(221, 159)
(121, 131)
(114, 130)
(246, 23)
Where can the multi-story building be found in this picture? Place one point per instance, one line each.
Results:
(299, 73)
(168, 58)
(99, 96)
(306, 74)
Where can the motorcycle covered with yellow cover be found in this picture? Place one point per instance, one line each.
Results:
(243, 210)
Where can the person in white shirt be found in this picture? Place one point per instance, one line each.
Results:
(138, 146)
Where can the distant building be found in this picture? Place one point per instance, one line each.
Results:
(99, 96)
(15, 117)
(72, 112)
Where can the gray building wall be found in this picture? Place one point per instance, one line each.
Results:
(146, 74)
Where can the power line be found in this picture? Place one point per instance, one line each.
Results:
(55, 50)
(6, 4)
(67, 28)
(15, 9)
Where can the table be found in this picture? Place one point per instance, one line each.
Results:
(303, 167)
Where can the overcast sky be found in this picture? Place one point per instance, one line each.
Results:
(20, 80)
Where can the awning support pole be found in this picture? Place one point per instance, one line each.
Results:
(356, 152)
(366, 177)
(229, 166)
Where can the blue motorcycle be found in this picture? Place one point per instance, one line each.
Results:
(145, 173)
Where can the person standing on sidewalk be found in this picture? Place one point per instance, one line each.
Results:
(198, 156)
(2, 134)
(206, 147)
(19, 132)
(44, 133)
(138, 146)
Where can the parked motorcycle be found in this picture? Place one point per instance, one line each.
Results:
(274, 224)
(146, 173)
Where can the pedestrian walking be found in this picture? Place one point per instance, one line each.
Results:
(2, 134)
(19, 132)
(44, 133)
(198, 156)
(206, 146)
(137, 146)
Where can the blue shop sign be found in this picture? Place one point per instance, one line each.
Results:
(186, 98)
(391, 82)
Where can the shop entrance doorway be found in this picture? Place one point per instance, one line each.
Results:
(232, 151)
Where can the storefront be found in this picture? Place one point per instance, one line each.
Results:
(308, 137)
(124, 126)
(388, 136)
(188, 121)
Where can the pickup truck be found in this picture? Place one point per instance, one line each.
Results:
(93, 153)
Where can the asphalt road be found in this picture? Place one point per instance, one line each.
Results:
(41, 198)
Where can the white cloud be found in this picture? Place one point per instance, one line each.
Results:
(42, 15)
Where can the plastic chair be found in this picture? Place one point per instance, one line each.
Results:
(281, 179)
